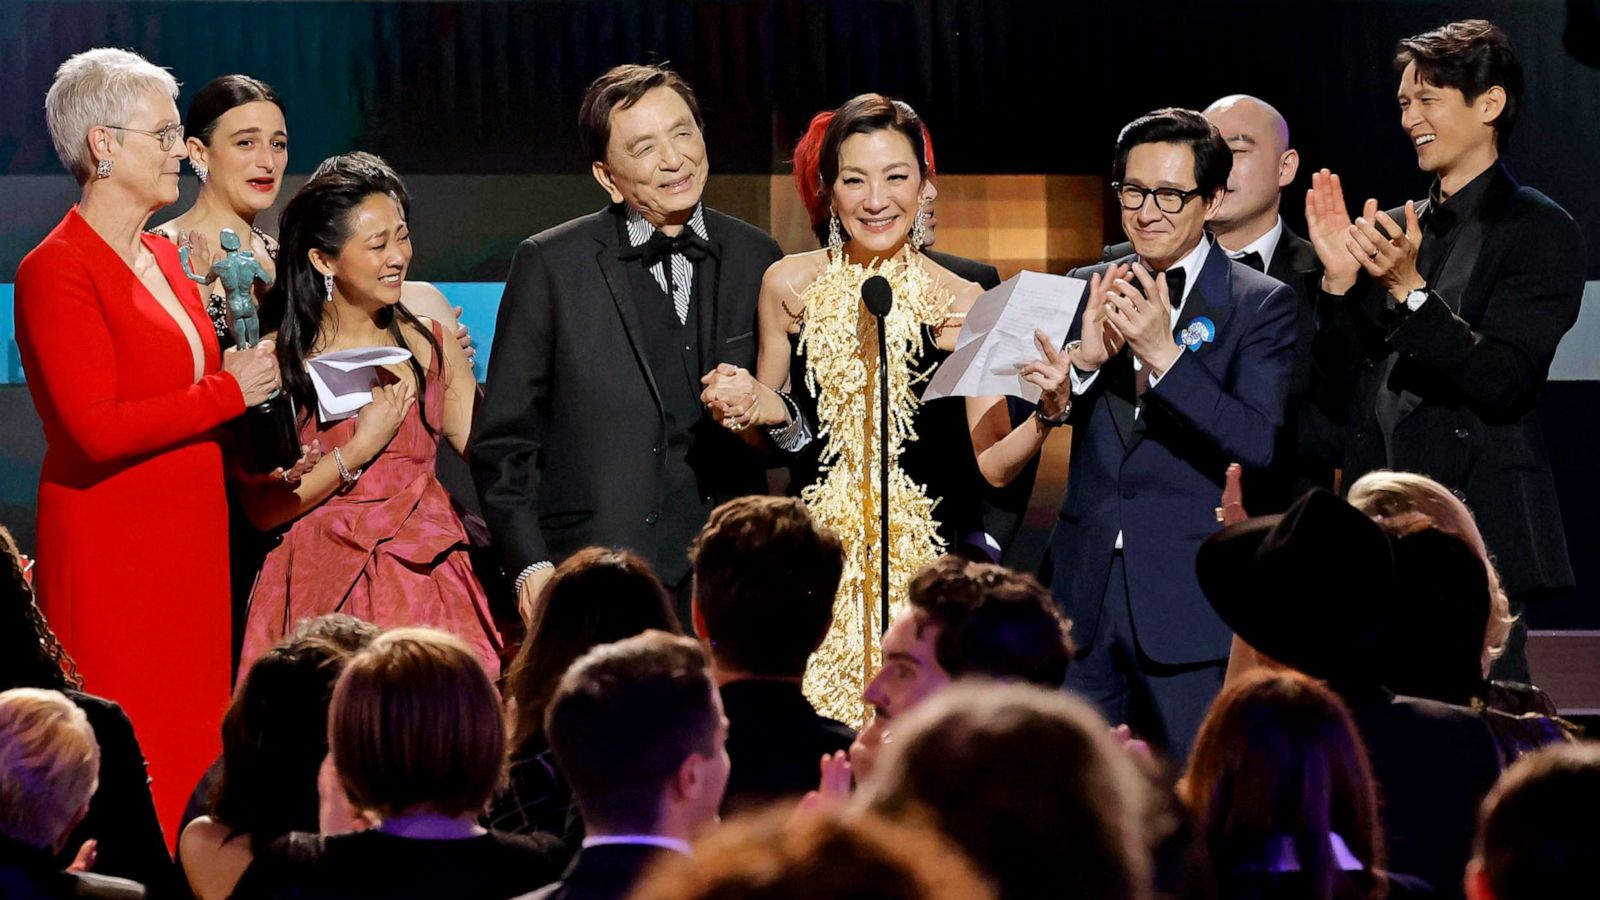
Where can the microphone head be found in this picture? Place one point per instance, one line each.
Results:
(876, 293)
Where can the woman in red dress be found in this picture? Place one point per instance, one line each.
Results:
(127, 377)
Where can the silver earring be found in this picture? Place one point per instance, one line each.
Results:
(327, 289)
(104, 169)
(200, 171)
(835, 233)
(919, 225)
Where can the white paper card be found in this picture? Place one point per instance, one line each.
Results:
(997, 336)
(344, 379)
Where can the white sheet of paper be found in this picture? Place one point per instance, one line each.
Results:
(997, 336)
(344, 379)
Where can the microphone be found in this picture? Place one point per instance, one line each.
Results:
(879, 297)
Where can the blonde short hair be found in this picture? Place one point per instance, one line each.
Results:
(97, 87)
(415, 722)
(1400, 497)
(49, 765)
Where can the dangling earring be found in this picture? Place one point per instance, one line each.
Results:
(104, 169)
(919, 225)
(835, 233)
(200, 171)
(327, 289)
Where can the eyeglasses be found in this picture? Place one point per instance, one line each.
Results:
(168, 136)
(1168, 200)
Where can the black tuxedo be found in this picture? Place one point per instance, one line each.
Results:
(606, 872)
(1470, 368)
(1308, 447)
(570, 445)
(775, 738)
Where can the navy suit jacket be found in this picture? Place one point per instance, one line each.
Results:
(1157, 477)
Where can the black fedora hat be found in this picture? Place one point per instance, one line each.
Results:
(1311, 588)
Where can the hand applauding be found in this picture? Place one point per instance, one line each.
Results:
(1142, 313)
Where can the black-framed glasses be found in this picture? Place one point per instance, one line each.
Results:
(1168, 200)
(167, 136)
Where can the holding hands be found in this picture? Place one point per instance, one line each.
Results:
(1347, 248)
(1142, 313)
(733, 396)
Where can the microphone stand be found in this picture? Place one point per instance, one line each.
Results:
(879, 298)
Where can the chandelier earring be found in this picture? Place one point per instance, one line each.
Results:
(835, 233)
(103, 170)
(919, 225)
(200, 171)
(327, 289)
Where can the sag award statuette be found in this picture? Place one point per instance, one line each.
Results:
(270, 438)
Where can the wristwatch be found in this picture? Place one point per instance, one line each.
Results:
(1053, 422)
(1416, 298)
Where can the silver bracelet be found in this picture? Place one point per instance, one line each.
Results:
(345, 475)
(541, 565)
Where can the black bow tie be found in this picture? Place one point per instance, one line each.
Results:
(662, 245)
(1175, 279)
(1253, 260)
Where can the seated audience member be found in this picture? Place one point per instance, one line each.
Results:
(122, 826)
(274, 739)
(765, 576)
(1433, 761)
(1282, 797)
(48, 761)
(1538, 836)
(1029, 783)
(418, 742)
(597, 596)
(819, 857)
(637, 727)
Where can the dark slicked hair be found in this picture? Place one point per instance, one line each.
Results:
(621, 88)
(1472, 56)
(223, 94)
(1213, 161)
(765, 577)
(993, 622)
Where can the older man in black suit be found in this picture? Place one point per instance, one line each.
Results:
(591, 429)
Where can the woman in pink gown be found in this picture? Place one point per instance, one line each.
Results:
(370, 530)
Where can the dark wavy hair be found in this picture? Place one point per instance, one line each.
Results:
(220, 95)
(864, 114)
(319, 217)
(30, 654)
(1471, 56)
(1213, 161)
(598, 596)
(274, 737)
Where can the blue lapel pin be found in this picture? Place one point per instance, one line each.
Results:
(1200, 330)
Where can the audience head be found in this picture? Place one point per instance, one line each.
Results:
(765, 577)
(1402, 496)
(1030, 783)
(642, 128)
(1170, 174)
(1263, 162)
(597, 596)
(415, 727)
(1460, 92)
(30, 654)
(819, 857)
(49, 766)
(1278, 768)
(969, 619)
(97, 107)
(345, 632)
(638, 730)
(872, 167)
(274, 739)
(238, 141)
(1538, 835)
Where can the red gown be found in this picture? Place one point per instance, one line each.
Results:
(133, 523)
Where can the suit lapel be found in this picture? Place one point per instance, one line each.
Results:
(617, 280)
(716, 320)
(1211, 297)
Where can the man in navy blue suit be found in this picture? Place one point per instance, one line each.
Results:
(1178, 363)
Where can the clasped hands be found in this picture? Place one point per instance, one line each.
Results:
(1348, 248)
(733, 396)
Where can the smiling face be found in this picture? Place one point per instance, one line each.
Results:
(1162, 238)
(877, 190)
(371, 266)
(655, 158)
(246, 158)
(1447, 132)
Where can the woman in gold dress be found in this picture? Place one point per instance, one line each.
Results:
(815, 388)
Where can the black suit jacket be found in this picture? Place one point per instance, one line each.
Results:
(775, 737)
(568, 448)
(1478, 370)
(1309, 448)
(606, 872)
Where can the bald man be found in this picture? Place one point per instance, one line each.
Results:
(1247, 225)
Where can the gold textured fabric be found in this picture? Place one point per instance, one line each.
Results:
(840, 344)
